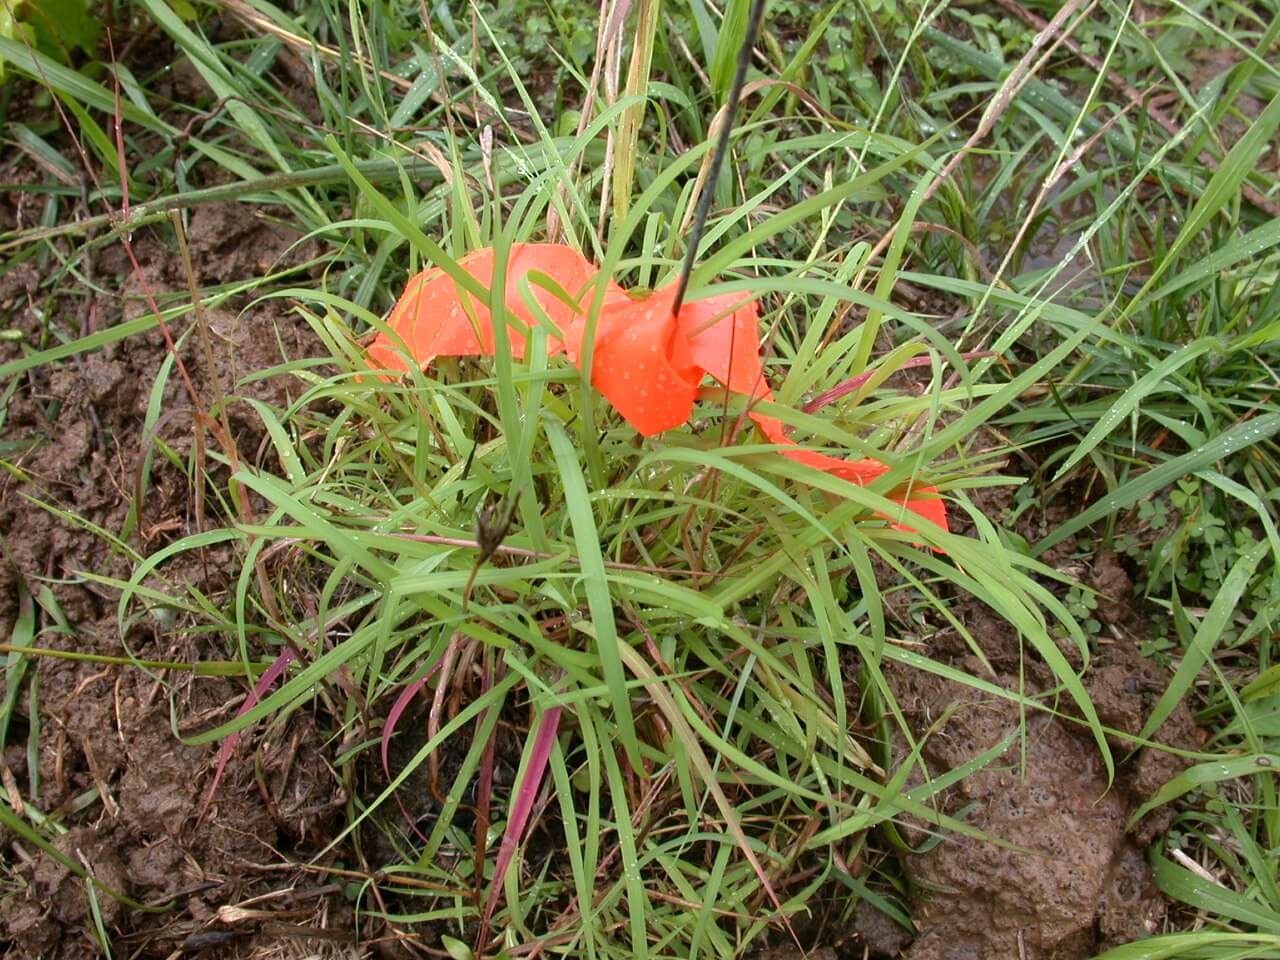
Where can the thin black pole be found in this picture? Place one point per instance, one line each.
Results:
(722, 147)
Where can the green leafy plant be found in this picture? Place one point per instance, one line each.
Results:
(1082, 603)
(56, 28)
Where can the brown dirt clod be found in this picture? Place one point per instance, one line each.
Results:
(1069, 880)
(78, 427)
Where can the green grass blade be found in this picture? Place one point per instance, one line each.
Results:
(1240, 437)
(1181, 884)
(586, 538)
(1130, 400)
(1206, 637)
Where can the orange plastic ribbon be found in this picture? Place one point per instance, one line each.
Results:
(647, 361)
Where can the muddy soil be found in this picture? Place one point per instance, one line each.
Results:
(105, 755)
(1076, 881)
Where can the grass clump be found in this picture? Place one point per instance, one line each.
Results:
(673, 605)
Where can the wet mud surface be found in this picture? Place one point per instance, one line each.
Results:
(99, 749)
(1070, 880)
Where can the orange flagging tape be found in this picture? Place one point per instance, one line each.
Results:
(647, 362)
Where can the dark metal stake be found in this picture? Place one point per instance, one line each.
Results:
(755, 16)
